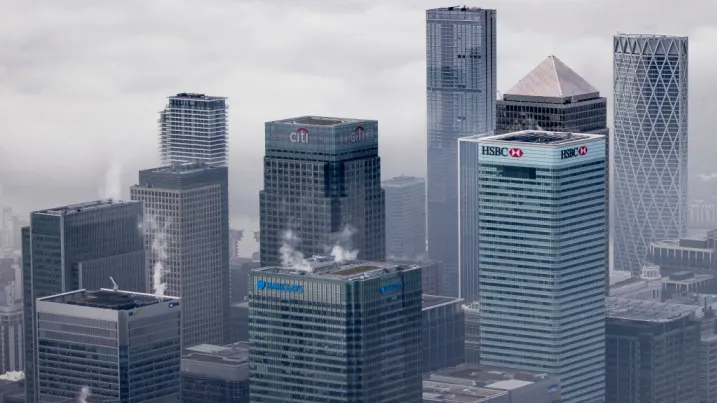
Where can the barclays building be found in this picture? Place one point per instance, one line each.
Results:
(335, 331)
(534, 250)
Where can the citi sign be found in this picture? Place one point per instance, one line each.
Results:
(265, 285)
(502, 151)
(360, 134)
(299, 136)
(573, 152)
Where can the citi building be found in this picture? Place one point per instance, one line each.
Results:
(328, 331)
(535, 251)
(322, 188)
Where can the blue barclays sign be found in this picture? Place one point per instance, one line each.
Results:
(553, 388)
(173, 304)
(392, 287)
(264, 285)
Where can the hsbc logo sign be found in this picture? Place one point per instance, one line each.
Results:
(502, 151)
(573, 152)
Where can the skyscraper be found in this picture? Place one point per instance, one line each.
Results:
(12, 354)
(340, 332)
(650, 73)
(193, 128)
(461, 77)
(187, 229)
(322, 188)
(543, 251)
(123, 346)
(78, 246)
(405, 217)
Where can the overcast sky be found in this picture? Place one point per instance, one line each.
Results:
(81, 81)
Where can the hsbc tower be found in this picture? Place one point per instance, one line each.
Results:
(322, 189)
(534, 253)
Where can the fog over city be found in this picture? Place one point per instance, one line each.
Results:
(82, 81)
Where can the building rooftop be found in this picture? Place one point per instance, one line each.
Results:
(448, 393)
(231, 354)
(348, 270)
(195, 96)
(318, 121)
(687, 277)
(645, 311)
(485, 376)
(537, 137)
(107, 299)
(458, 8)
(184, 168)
(552, 79)
(433, 301)
(84, 207)
(400, 181)
(648, 36)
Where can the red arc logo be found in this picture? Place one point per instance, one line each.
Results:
(583, 150)
(515, 152)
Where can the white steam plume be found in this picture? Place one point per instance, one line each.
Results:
(112, 187)
(84, 394)
(291, 257)
(342, 249)
(158, 232)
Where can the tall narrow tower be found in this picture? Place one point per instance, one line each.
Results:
(322, 188)
(650, 73)
(541, 218)
(193, 128)
(461, 79)
(187, 229)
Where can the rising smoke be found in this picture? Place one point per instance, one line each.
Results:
(158, 234)
(84, 394)
(290, 257)
(112, 187)
(343, 245)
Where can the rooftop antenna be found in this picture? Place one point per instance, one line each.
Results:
(114, 285)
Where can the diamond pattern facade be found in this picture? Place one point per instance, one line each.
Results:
(650, 74)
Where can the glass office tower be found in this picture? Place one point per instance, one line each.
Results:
(322, 187)
(540, 199)
(187, 231)
(123, 346)
(339, 332)
(405, 218)
(193, 128)
(651, 112)
(461, 91)
(78, 246)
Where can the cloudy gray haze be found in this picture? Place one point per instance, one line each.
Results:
(82, 80)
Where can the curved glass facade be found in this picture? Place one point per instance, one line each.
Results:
(650, 74)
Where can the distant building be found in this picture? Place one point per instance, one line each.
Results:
(12, 353)
(485, 384)
(707, 369)
(216, 374)
(322, 189)
(125, 346)
(688, 282)
(461, 71)
(235, 238)
(696, 253)
(187, 229)
(377, 305)
(641, 334)
(647, 287)
(405, 218)
(443, 335)
(650, 105)
(471, 313)
(239, 270)
(239, 321)
(193, 128)
(702, 214)
(78, 246)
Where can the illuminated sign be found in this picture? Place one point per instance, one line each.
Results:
(573, 152)
(502, 151)
(264, 285)
(360, 134)
(553, 388)
(173, 304)
(392, 287)
(299, 136)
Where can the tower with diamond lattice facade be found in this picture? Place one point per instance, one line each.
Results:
(650, 83)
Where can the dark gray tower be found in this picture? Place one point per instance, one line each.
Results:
(187, 230)
(322, 188)
(79, 246)
(350, 332)
(405, 218)
(461, 70)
